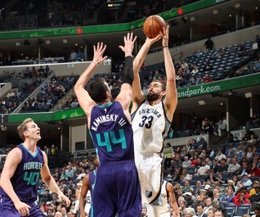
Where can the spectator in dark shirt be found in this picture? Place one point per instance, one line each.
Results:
(223, 166)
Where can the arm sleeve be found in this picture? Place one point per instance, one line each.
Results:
(128, 75)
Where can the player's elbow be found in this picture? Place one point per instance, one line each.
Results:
(47, 180)
(76, 88)
(136, 66)
(135, 99)
(138, 99)
(4, 180)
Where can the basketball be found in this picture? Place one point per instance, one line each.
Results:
(153, 25)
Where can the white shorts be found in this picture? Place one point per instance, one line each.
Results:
(156, 211)
(149, 169)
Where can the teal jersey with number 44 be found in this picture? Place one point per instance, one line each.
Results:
(111, 133)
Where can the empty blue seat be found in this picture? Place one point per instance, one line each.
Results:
(230, 211)
(241, 210)
(229, 204)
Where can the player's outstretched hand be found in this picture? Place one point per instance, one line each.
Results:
(165, 36)
(151, 41)
(129, 42)
(22, 208)
(99, 50)
(62, 197)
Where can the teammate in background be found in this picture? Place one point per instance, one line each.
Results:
(166, 204)
(88, 184)
(152, 117)
(22, 169)
(117, 188)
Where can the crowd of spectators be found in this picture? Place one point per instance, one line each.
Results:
(139, 9)
(71, 103)
(207, 66)
(50, 93)
(200, 126)
(208, 177)
(113, 80)
(47, 97)
(190, 72)
(205, 178)
(23, 84)
(34, 14)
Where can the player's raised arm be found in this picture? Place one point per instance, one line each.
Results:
(171, 97)
(125, 94)
(138, 95)
(85, 101)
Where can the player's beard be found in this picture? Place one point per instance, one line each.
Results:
(152, 96)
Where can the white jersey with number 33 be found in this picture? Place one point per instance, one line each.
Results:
(150, 126)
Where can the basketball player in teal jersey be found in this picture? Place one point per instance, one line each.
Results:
(117, 188)
(22, 169)
(151, 119)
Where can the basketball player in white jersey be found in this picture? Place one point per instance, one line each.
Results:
(151, 119)
(166, 204)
